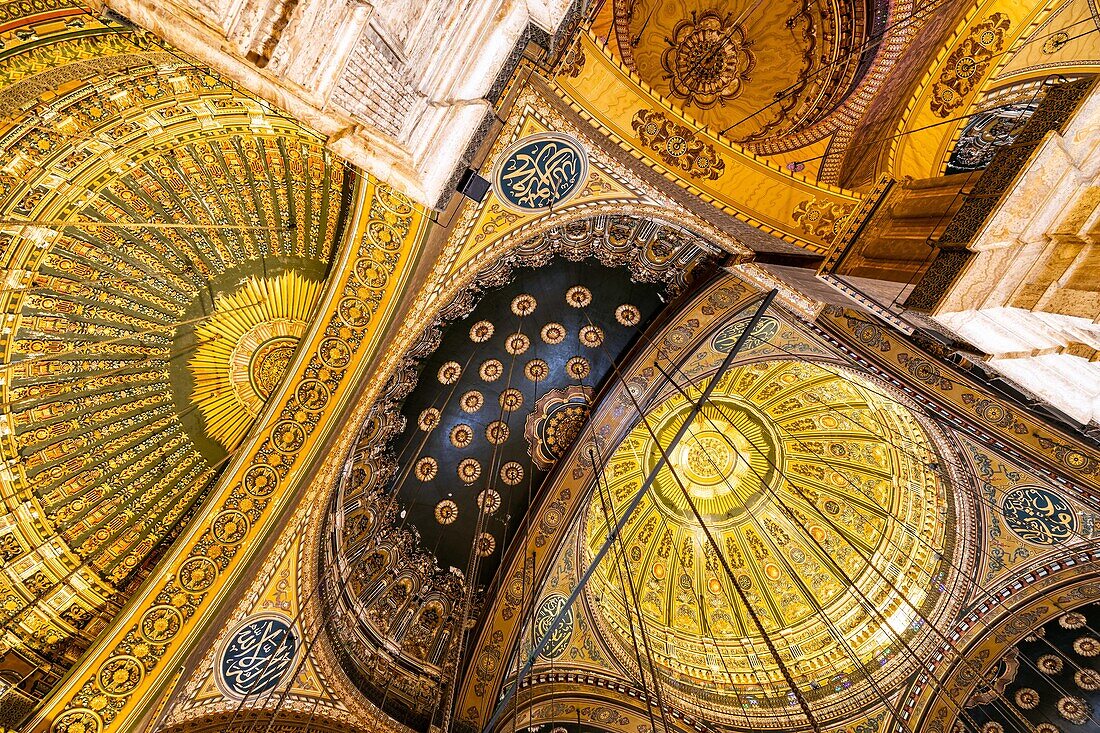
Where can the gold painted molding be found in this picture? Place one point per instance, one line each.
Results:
(122, 677)
(955, 82)
(1059, 453)
(753, 189)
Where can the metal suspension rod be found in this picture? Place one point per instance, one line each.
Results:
(473, 564)
(634, 502)
(627, 582)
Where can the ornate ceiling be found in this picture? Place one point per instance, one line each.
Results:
(721, 64)
(177, 235)
(1048, 681)
(503, 398)
(833, 535)
(993, 72)
(459, 422)
(494, 399)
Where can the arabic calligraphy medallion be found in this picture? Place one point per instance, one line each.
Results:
(540, 171)
(558, 640)
(257, 656)
(764, 331)
(1039, 516)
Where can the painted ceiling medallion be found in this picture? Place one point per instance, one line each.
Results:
(556, 422)
(708, 60)
(511, 399)
(490, 370)
(591, 336)
(488, 501)
(577, 367)
(257, 656)
(1072, 620)
(511, 473)
(1038, 515)
(536, 370)
(553, 333)
(462, 435)
(426, 468)
(481, 332)
(472, 401)
(1087, 679)
(1050, 664)
(428, 419)
(446, 512)
(485, 544)
(244, 349)
(539, 172)
(578, 296)
(449, 372)
(497, 432)
(517, 343)
(800, 511)
(628, 315)
(524, 304)
(469, 469)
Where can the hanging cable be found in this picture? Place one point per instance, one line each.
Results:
(925, 620)
(527, 594)
(627, 583)
(631, 594)
(502, 704)
(921, 460)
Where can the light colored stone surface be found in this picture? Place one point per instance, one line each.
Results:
(398, 87)
(1031, 297)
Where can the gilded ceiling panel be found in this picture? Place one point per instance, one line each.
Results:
(164, 240)
(795, 469)
(722, 66)
(700, 159)
(808, 474)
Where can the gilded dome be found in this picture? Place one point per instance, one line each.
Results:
(718, 63)
(820, 517)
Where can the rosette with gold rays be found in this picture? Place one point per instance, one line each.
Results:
(244, 349)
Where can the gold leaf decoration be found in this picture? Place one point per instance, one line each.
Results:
(677, 145)
(968, 63)
(244, 349)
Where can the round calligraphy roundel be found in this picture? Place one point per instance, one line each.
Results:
(540, 171)
(257, 656)
(1038, 515)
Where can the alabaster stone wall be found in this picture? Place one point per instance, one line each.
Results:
(398, 87)
(1030, 298)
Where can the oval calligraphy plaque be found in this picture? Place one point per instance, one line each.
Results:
(1038, 516)
(559, 638)
(766, 329)
(257, 656)
(539, 172)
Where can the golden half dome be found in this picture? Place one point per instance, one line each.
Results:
(834, 536)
